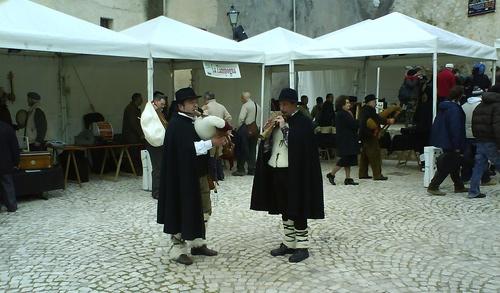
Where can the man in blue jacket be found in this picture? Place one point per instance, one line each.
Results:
(448, 133)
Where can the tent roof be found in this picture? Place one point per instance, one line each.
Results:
(342, 30)
(497, 43)
(394, 33)
(30, 26)
(171, 39)
(278, 44)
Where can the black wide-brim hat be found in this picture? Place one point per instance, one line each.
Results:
(369, 98)
(288, 94)
(186, 93)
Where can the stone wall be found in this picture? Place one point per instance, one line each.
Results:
(124, 13)
(313, 17)
(451, 15)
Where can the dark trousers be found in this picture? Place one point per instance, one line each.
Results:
(8, 192)
(156, 154)
(246, 150)
(280, 189)
(448, 163)
(216, 168)
(370, 155)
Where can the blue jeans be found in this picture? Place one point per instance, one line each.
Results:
(484, 151)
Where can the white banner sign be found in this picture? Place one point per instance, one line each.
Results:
(222, 70)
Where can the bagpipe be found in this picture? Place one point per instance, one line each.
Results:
(208, 127)
(390, 112)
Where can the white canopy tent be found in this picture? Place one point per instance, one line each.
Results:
(34, 41)
(278, 45)
(394, 34)
(26, 25)
(177, 41)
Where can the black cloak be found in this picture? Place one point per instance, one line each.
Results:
(179, 202)
(305, 189)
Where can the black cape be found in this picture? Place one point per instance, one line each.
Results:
(179, 202)
(305, 189)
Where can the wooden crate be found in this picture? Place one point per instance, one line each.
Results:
(35, 161)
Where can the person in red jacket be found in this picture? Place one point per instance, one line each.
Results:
(445, 81)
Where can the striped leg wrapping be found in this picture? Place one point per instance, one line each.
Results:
(289, 234)
(302, 239)
(179, 246)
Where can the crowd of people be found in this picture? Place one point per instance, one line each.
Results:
(285, 165)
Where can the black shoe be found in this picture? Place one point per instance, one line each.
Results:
(282, 250)
(331, 178)
(299, 255)
(11, 210)
(381, 178)
(365, 177)
(251, 172)
(155, 196)
(184, 259)
(203, 250)
(481, 195)
(350, 181)
(239, 173)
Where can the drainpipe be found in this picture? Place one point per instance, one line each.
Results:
(294, 18)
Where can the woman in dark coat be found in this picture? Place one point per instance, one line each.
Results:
(347, 140)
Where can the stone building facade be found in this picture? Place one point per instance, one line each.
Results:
(312, 17)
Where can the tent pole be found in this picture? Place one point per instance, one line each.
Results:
(434, 84)
(365, 75)
(494, 73)
(62, 99)
(377, 93)
(172, 78)
(291, 69)
(262, 90)
(150, 68)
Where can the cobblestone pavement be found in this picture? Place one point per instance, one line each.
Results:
(377, 237)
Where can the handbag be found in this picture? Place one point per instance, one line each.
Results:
(252, 129)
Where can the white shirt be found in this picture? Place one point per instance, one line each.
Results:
(247, 113)
(203, 146)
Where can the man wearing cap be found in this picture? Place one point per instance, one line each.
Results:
(445, 81)
(370, 150)
(214, 108)
(36, 123)
(288, 177)
(184, 200)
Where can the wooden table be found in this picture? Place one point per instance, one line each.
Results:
(108, 148)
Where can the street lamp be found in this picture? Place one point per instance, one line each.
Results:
(233, 17)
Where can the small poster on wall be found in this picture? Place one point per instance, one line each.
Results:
(222, 70)
(478, 7)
